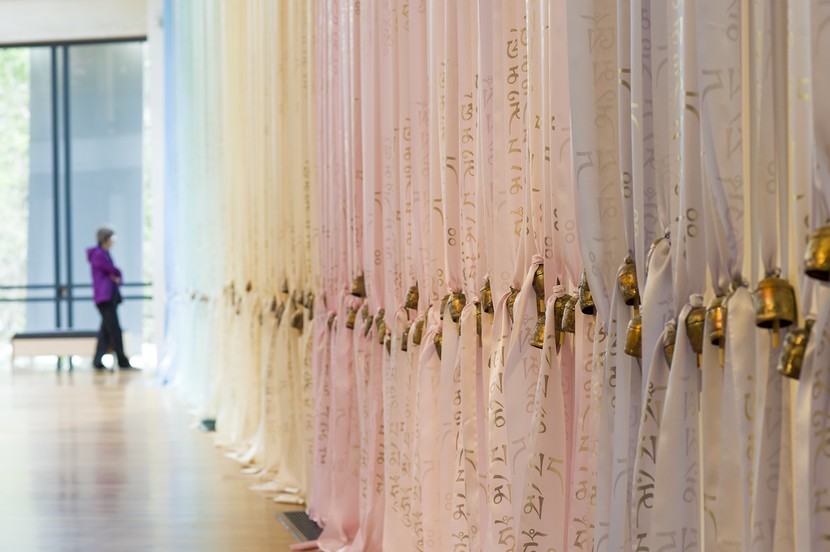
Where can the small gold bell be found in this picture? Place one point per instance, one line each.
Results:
(309, 304)
(539, 288)
(351, 316)
(775, 306)
(586, 300)
(364, 312)
(418, 331)
(569, 316)
(457, 303)
(486, 298)
(297, 320)
(332, 319)
(285, 286)
(558, 313)
(668, 343)
(537, 339)
(438, 340)
(627, 280)
(273, 307)
(817, 256)
(359, 286)
(716, 317)
(695, 324)
(511, 299)
(405, 340)
(412, 297)
(388, 343)
(381, 325)
(634, 337)
(249, 287)
(444, 305)
(478, 319)
(279, 313)
(367, 326)
(792, 353)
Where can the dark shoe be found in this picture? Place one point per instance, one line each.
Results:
(126, 367)
(98, 366)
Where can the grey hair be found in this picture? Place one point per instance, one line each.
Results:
(103, 234)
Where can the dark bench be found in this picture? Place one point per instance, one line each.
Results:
(59, 343)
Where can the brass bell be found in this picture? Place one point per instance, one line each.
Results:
(405, 340)
(792, 353)
(332, 319)
(285, 286)
(418, 331)
(359, 286)
(297, 320)
(457, 303)
(817, 256)
(486, 298)
(511, 299)
(381, 325)
(775, 306)
(309, 304)
(569, 316)
(716, 317)
(558, 313)
(668, 342)
(627, 280)
(478, 319)
(634, 337)
(273, 307)
(539, 288)
(367, 326)
(364, 312)
(695, 324)
(412, 297)
(351, 317)
(537, 339)
(249, 287)
(438, 340)
(586, 300)
(388, 343)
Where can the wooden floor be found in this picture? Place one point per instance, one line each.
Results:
(104, 462)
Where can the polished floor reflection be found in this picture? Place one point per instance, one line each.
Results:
(105, 462)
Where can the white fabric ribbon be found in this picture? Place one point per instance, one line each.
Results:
(676, 520)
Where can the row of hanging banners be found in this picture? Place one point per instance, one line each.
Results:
(570, 277)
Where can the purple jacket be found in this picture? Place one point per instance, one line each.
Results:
(102, 272)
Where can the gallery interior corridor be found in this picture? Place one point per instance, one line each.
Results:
(105, 462)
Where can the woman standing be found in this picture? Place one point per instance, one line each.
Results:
(106, 279)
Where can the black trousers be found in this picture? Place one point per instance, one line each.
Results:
(109, 336)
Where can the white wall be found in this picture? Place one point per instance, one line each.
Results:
(33, 21)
